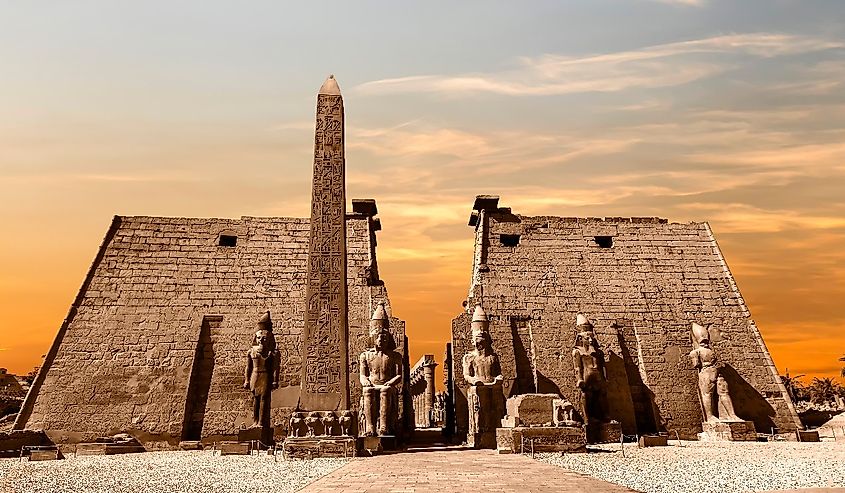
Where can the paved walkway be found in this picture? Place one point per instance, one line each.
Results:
(456, 470)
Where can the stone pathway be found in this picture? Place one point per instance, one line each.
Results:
(456, 469)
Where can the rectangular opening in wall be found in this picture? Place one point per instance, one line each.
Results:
(509, 240)
(604, 241)
(228, 240)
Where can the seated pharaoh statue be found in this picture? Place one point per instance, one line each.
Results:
(713, 389)
(483, 373)
(381, 378)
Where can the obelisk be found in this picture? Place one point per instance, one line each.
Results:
(325, 362)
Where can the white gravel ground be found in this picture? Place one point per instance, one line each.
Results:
(702, 467)
(162, 471)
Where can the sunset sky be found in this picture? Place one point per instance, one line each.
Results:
(693, 110)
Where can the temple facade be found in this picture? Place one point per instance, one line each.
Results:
(642, 282)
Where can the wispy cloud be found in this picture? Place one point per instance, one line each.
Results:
(662, 65)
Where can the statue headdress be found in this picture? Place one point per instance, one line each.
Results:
(265, 322)
(581, 319)
(480, 324)
(379, 321)
(699, 333)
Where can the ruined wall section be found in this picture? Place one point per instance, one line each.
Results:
(126, 358)
(642, 293)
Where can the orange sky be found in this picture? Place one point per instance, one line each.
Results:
(692, 110)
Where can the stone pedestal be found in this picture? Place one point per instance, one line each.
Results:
(316, 447)
(378, 444)
(541, 439)
(808, 436)
(257, 433)
(653, 441)
(108, 448)
(190, 445)
(531, 409)
(733, 431)
(45, 454)
(233, 448)
(610, 432)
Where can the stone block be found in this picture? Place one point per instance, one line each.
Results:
(190, 445)
(733, 431)
(532, 409)
(653, 441)
(808, 436)
(378, 444)
(485, 439)
(317, 447)
(108, 448)
(45, 454)
(234, 448)
(604, 432)
(541, 439)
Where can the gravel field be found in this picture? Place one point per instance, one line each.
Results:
(162, 471)
(702, 467)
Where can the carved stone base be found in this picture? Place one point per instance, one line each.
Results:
(808, 436)
(542, 438)
(108, 449)
(653, 441)
(315, 447)
(234, 448)
(733, 431)
(190, 445)
(45, 454)
(482, 440)
(263, 435)
(378, 444)
(604, 432)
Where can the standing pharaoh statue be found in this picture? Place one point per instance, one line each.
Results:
(483, 373)
(261, 375)
(713, 389)
(590, 372)
(381, 378)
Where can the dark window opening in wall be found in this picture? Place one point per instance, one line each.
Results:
(509, 240)
(228, 240)
(604, 241)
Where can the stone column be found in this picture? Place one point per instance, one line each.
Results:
(429, 392)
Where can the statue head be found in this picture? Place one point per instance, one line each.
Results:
(701, 335)
(379, 331)
(264, 337)
(585, 335)
(480, 334)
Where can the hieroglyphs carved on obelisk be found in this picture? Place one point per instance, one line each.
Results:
(325, 365)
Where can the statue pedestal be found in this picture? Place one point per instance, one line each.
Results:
(540, 439)
(377, 444)
(610, 432)
(315, 447)
(233, 448)
(257, 433)
(732, 431)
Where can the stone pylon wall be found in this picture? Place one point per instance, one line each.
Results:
(124, 358)
(642, 294)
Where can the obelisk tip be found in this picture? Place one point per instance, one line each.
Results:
(330, 87)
